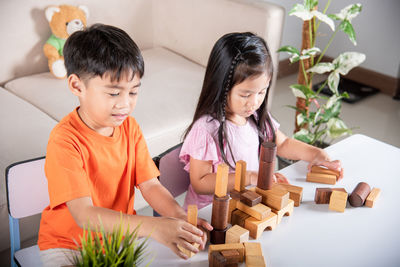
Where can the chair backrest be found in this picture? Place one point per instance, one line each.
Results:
(27, 195)
(172, 174)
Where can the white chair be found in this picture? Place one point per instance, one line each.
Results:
(172, 174)
(27, 195)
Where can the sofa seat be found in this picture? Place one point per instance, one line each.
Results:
(163, 114)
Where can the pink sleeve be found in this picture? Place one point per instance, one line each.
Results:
(199, 144)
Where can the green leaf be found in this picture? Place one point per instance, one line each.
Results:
(332, 100)
(349, 12)
(304, 136)
(310, 4)
(289, 49)
(301, 12)
(324, 18)
(347, 61)
(333, 82)
(302, 91)
(337, 128)
(322, 67)
(347, 28)
(307, 53)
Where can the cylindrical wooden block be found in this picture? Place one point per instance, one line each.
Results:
(267, 166)
(359, 194)
(219, 216)
(218, 236)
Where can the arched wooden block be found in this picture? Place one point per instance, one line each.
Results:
(286, 211)
(257, 227)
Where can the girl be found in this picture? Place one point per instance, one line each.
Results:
(231, 119)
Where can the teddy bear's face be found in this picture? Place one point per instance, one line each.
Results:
(65, 20)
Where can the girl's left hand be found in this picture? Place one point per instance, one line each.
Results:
(280, 178)
(322, 159)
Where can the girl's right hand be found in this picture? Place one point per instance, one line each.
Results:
(173, 232)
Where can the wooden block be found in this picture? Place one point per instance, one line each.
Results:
(372, 197)
(237, 234)
(319, 169)
(323, 195)
(231, 208)
(252, 249)
(255, 261)
(188, 252)
(275, 198)
(321, 178)
(231, 256)
(295, 192)
(219, 215)
(257, 227)
(338, 201)
(240, 175)
(221, 184)
(217, 259)
(359, 194)
(235, 194)
(192, 219)
(258, 211)
(221, 247)
(250, 198)
(218, 236)
(239, 217)
(286, 211)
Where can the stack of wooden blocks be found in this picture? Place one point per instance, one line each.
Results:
(230, 255)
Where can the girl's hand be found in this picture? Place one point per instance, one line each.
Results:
(173, 232)
(205, 227)
(280, 178)
(322, 159)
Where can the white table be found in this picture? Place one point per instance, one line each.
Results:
(316, 236)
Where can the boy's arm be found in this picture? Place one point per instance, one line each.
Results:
(166, 230)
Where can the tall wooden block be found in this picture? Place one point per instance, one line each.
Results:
(258, 211)
(323, 170)
(221, 247)
(250, 198)
(359, 194)
(232, 207)
(286, 211)
(323, 195)
(192, 219)
(219, 215)
(295, 192)
(372, 197)
(237, 234)
(321, 178)
(338, 201)
(275, 198)
(257, 227)
(240, 175)
(239, 217)
(221, 184)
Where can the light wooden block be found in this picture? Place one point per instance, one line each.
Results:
(221, 184)
(286, 211)
(295, 192)
(255, 261)
(237, 234)
(321, 178)
(231, 208)
(192, 219)
(240, 175)
(372, 197)
(258, 211)
(275, 198)
(221, 247)
(338, 201)
(318, 169)
(252, 249)
(257, 227)
(188, 252)
(231, 256)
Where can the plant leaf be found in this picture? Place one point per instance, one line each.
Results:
(310, 4)
(333, 82)
(332, 100)
(301, 11)
(294, 58)
(349, 12)
(347, 28)
(302, 91)
(347, 61)
(337, 128)
(304, 136)
(324, 18)
(289, 49)
(322, 67)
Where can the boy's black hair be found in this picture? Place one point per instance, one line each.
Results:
(234, 58)
(102, 49)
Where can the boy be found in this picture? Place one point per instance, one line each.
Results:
(97, 153)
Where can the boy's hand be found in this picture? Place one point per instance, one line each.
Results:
(173, 232)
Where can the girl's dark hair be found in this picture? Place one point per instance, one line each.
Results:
(234, 58)
(102, 49)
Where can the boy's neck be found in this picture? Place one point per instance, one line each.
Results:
(108, 131)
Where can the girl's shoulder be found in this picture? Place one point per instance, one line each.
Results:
(206, 123)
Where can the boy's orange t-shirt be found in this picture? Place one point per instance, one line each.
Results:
(80, 163)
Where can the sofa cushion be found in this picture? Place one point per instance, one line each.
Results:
(167, 98)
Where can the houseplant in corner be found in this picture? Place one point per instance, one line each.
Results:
(317, 116)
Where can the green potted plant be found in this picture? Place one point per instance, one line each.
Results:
(318, 116)
(117, 249)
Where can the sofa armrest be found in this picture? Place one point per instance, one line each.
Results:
(191, 27)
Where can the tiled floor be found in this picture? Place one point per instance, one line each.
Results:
(377, 116)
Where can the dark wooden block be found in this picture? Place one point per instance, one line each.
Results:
(323, 195)
(250, 198)
(238, 217)
(218, 236)
(217, 260)
(235, 194)
(359, 194)
(231, 256)
(219, 216)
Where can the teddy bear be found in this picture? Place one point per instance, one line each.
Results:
(64, 20)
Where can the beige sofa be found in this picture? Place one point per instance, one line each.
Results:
(176, 37)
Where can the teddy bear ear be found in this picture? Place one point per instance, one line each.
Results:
(85, 10)
(49, 12)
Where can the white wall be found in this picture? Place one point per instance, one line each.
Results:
(376, 27)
